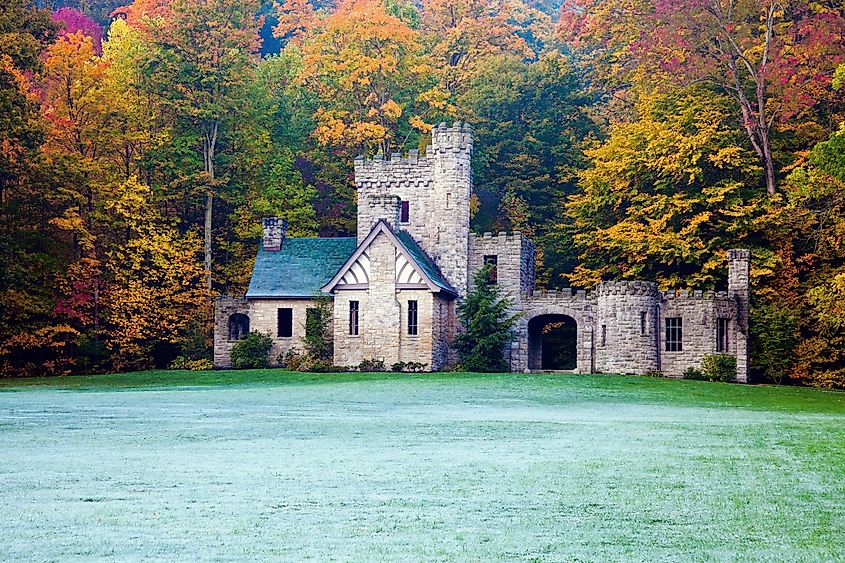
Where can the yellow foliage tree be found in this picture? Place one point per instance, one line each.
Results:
(371, 78)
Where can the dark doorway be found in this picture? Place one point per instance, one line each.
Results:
(238, 326)
(552, 342)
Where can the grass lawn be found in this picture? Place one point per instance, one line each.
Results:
(273, 465)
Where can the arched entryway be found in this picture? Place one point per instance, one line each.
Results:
(552, 342)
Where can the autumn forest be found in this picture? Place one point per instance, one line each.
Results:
(141, 144)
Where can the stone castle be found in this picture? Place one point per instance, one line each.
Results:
(394, 288)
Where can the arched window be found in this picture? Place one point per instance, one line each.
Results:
(238, 326)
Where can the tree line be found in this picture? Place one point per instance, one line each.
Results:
(141, 144)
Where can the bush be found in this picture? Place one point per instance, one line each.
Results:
(719, 367)
(408, 366)
(653, 373)
(371, 365)
(252, 351)
(295, 360)
(184, 362)
(91, 352)
(694, 373)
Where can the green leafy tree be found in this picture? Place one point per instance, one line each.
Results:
(487, 324)
(205, 54)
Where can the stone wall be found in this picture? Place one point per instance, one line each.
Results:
(699, 311)
(525, 350)
(264, 317)
(739, 288)
(224, 307)
(437, 187)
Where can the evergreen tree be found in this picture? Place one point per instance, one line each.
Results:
(484, 316)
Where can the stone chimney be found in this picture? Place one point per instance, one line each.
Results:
(739, 287)
(275, 229)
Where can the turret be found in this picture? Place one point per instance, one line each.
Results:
(739, 288)
(627, 319)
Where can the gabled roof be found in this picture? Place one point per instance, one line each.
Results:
(409, 248)
(300, 268)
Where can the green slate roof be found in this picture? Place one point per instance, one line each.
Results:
(301, 268)
(423, 260)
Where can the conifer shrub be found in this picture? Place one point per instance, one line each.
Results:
(487, 326)
(252, 352)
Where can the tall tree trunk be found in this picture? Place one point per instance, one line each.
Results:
(209, 204)
(208, 149)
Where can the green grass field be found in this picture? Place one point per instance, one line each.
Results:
(273, 465)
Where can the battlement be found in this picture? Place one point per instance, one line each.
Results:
(642, 288)
(455, 139)
(675, 294)
(499, 237)
(556, 295)
(739, 254)
(229, 301)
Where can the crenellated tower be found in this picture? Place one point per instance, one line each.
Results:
(426, 195)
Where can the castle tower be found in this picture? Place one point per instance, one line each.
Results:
(427, 196)
(739, 287)
(448, 202)
(626, 339)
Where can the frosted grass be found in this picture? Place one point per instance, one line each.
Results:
(416, 469)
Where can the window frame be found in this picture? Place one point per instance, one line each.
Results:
(404, 211)
(413, 318)
(643, 323)
(722, 330)
(492, 260)
(279, 332)
(354, 326)
(674, 335)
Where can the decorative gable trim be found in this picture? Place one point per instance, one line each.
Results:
(409, 274)
(358, 273)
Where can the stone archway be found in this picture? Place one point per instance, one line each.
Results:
(572, 313)
(553, 342)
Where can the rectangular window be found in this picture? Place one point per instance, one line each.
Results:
(604, 335)
(285, 323)
(674, 334)
(722, 335)
(353, 318)
(642, 322)
(404, 212)
(492, 260)
(412, 318)
(448, 201)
